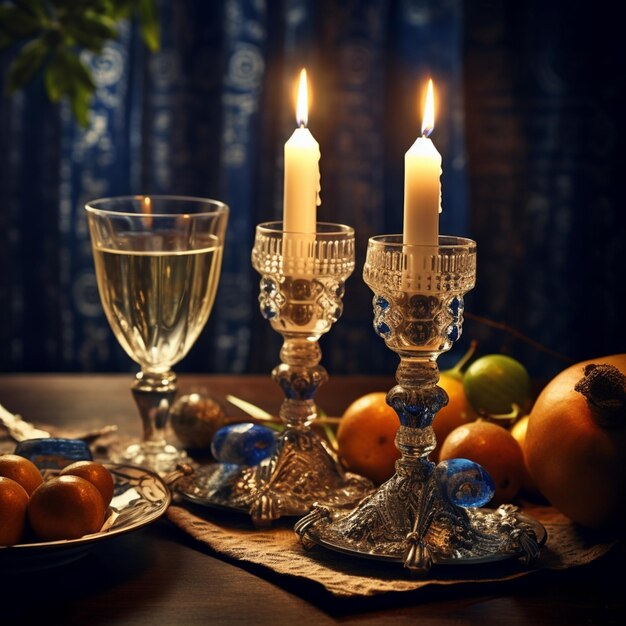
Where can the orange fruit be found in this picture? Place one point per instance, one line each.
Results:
(98, 475)
(21, 470)
(13, 505)
(575, 451)
(518, 430)
(366, 437)
(456, 413)
(494, 448)
(65, 507)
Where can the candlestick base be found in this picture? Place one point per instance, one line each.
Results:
(407, 521)
(425, 514)
(302, 471)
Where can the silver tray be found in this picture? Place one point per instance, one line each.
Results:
(140, 498)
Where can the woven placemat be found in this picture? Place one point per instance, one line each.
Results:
(279, 550)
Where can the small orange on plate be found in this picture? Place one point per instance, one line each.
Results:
(13, 505)
(98, 475)
(21, 470)
(65, 507)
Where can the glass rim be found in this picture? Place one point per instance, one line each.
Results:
(334, 229)
(217, 206)
(452, 241)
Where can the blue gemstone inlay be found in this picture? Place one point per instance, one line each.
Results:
(268, 312)
(243, 444)
(382, 303)
(453, 333)
(464, 482)
(456, 306)
(383, 329)
(268, 286)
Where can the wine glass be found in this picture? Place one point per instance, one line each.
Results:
(157, 261)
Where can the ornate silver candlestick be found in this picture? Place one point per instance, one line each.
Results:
(301, 291)
(423, 514)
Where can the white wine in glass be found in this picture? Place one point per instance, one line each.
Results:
(157, 265)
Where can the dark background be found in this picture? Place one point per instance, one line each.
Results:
(529, 124)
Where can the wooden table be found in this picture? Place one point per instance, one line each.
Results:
(159, 575)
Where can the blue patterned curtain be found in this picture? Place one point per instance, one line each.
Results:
(208, 114)
(545, 132)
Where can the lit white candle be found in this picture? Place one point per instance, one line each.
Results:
(302, 173)
(422, 187)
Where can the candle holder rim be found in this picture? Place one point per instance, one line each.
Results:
(217, 206)
(446, 242)
(335, 229)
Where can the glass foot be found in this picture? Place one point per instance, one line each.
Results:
(160, 458)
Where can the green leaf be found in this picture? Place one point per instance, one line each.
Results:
(18, 22)
(66, 27)
(26, 64)
(80, 101)
(36, 8)
(57, 79)
(77, 70)
(123, 9)
(78, 36)
(92, 24)
(66, 75)
(150, 27)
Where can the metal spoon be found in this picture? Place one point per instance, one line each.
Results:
(20, 430)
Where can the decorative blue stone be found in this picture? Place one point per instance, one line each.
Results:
(268, 286)
(268, 312)
(54, 452)
(464, 483)
(382, 329)
(456, 306)
(453, 332)
(243, 444)
(381, 303)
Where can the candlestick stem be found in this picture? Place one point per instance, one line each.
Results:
(299, 376)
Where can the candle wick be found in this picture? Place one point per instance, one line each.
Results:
(302, 125)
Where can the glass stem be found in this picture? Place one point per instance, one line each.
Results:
(299, 375)
(416, 399)
(154, 394)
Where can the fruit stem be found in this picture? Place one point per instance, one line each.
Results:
(604, 388)
(515, 413)
(462, 362)
(330, 435)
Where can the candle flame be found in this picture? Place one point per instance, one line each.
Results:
(146, 209)
(302, 108)
(428, 121)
